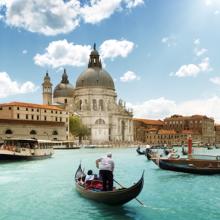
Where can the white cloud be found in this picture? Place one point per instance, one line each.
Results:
(114, 48)
(198, 50)
(9, 87)
(133, 3)
(215, 80)
(129, 76)
(197, 41)
(49, 17)
(193, 69)
(188, 70)
(162, 107)
(99, 10)
(54, 17)
(169, 41)
(61, 53)
(24, 51)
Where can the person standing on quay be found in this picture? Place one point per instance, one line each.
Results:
(106, 167)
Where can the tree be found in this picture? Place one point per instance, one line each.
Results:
(77, 128)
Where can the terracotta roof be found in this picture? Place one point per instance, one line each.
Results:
(149, 121)
(31, 105)
(166, 131)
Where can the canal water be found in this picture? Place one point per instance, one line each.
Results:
(44, 190)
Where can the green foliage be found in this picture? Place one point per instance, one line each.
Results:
(77, 128)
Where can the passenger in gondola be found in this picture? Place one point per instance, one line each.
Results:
(90, 176)
(106, 167)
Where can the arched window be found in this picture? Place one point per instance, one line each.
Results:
(94, 103)
(80, 104)
(33, 132)
(101, 105)
(100, 122)
(55, 132)
(8, 131)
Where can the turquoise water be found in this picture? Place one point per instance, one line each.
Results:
(44, 190)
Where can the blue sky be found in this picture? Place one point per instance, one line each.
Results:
(162, 54)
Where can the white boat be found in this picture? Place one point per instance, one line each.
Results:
(25, 149)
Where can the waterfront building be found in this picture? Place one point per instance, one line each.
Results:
(201, 127)
(144, 126)
(27, 120)
(175, 130)
(217, 134)
(94, 99)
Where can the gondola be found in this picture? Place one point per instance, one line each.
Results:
(184, 151)
(140, 152)
(114, 198)
(205, 165)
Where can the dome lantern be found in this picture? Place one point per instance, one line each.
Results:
(95, 75)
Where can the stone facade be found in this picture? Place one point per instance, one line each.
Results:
(175, 130)
(94, 99)
(27, 120)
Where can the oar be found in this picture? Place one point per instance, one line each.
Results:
(124, 187)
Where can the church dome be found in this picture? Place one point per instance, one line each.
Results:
(64, 88)
(95, 75)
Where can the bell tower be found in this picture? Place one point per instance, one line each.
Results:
(47, 90)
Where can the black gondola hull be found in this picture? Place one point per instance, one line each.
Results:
(114, 198)
(11, 157)
(186, 168)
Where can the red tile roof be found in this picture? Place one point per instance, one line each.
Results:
(31, 105)
(162, 131)
(149, 121)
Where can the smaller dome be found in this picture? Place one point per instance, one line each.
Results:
(64, 88)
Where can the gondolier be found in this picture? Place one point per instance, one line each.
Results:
(106, 168)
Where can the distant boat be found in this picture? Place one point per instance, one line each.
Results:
(140, 152)
(116, 197)
(184, 151)
(196, 164)
(25, 149)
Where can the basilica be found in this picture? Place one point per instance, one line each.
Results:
(93, 97)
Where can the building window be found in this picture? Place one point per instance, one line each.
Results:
(26, 116)
(101, 105)
(9, 108)
(100, 122)
(65, 101)
(45, 111)
(45, 118)
(94, 103)
(33, 132)
(0, 108)
(37, 117)
(51, 111)
(32, 109)
(60, 119)
(17, 108)
(26, 109)
(32, 117)
(8, 131)
(80, 104)
(37, 110)
(56, 118)
(18, 115)
(55, 132)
